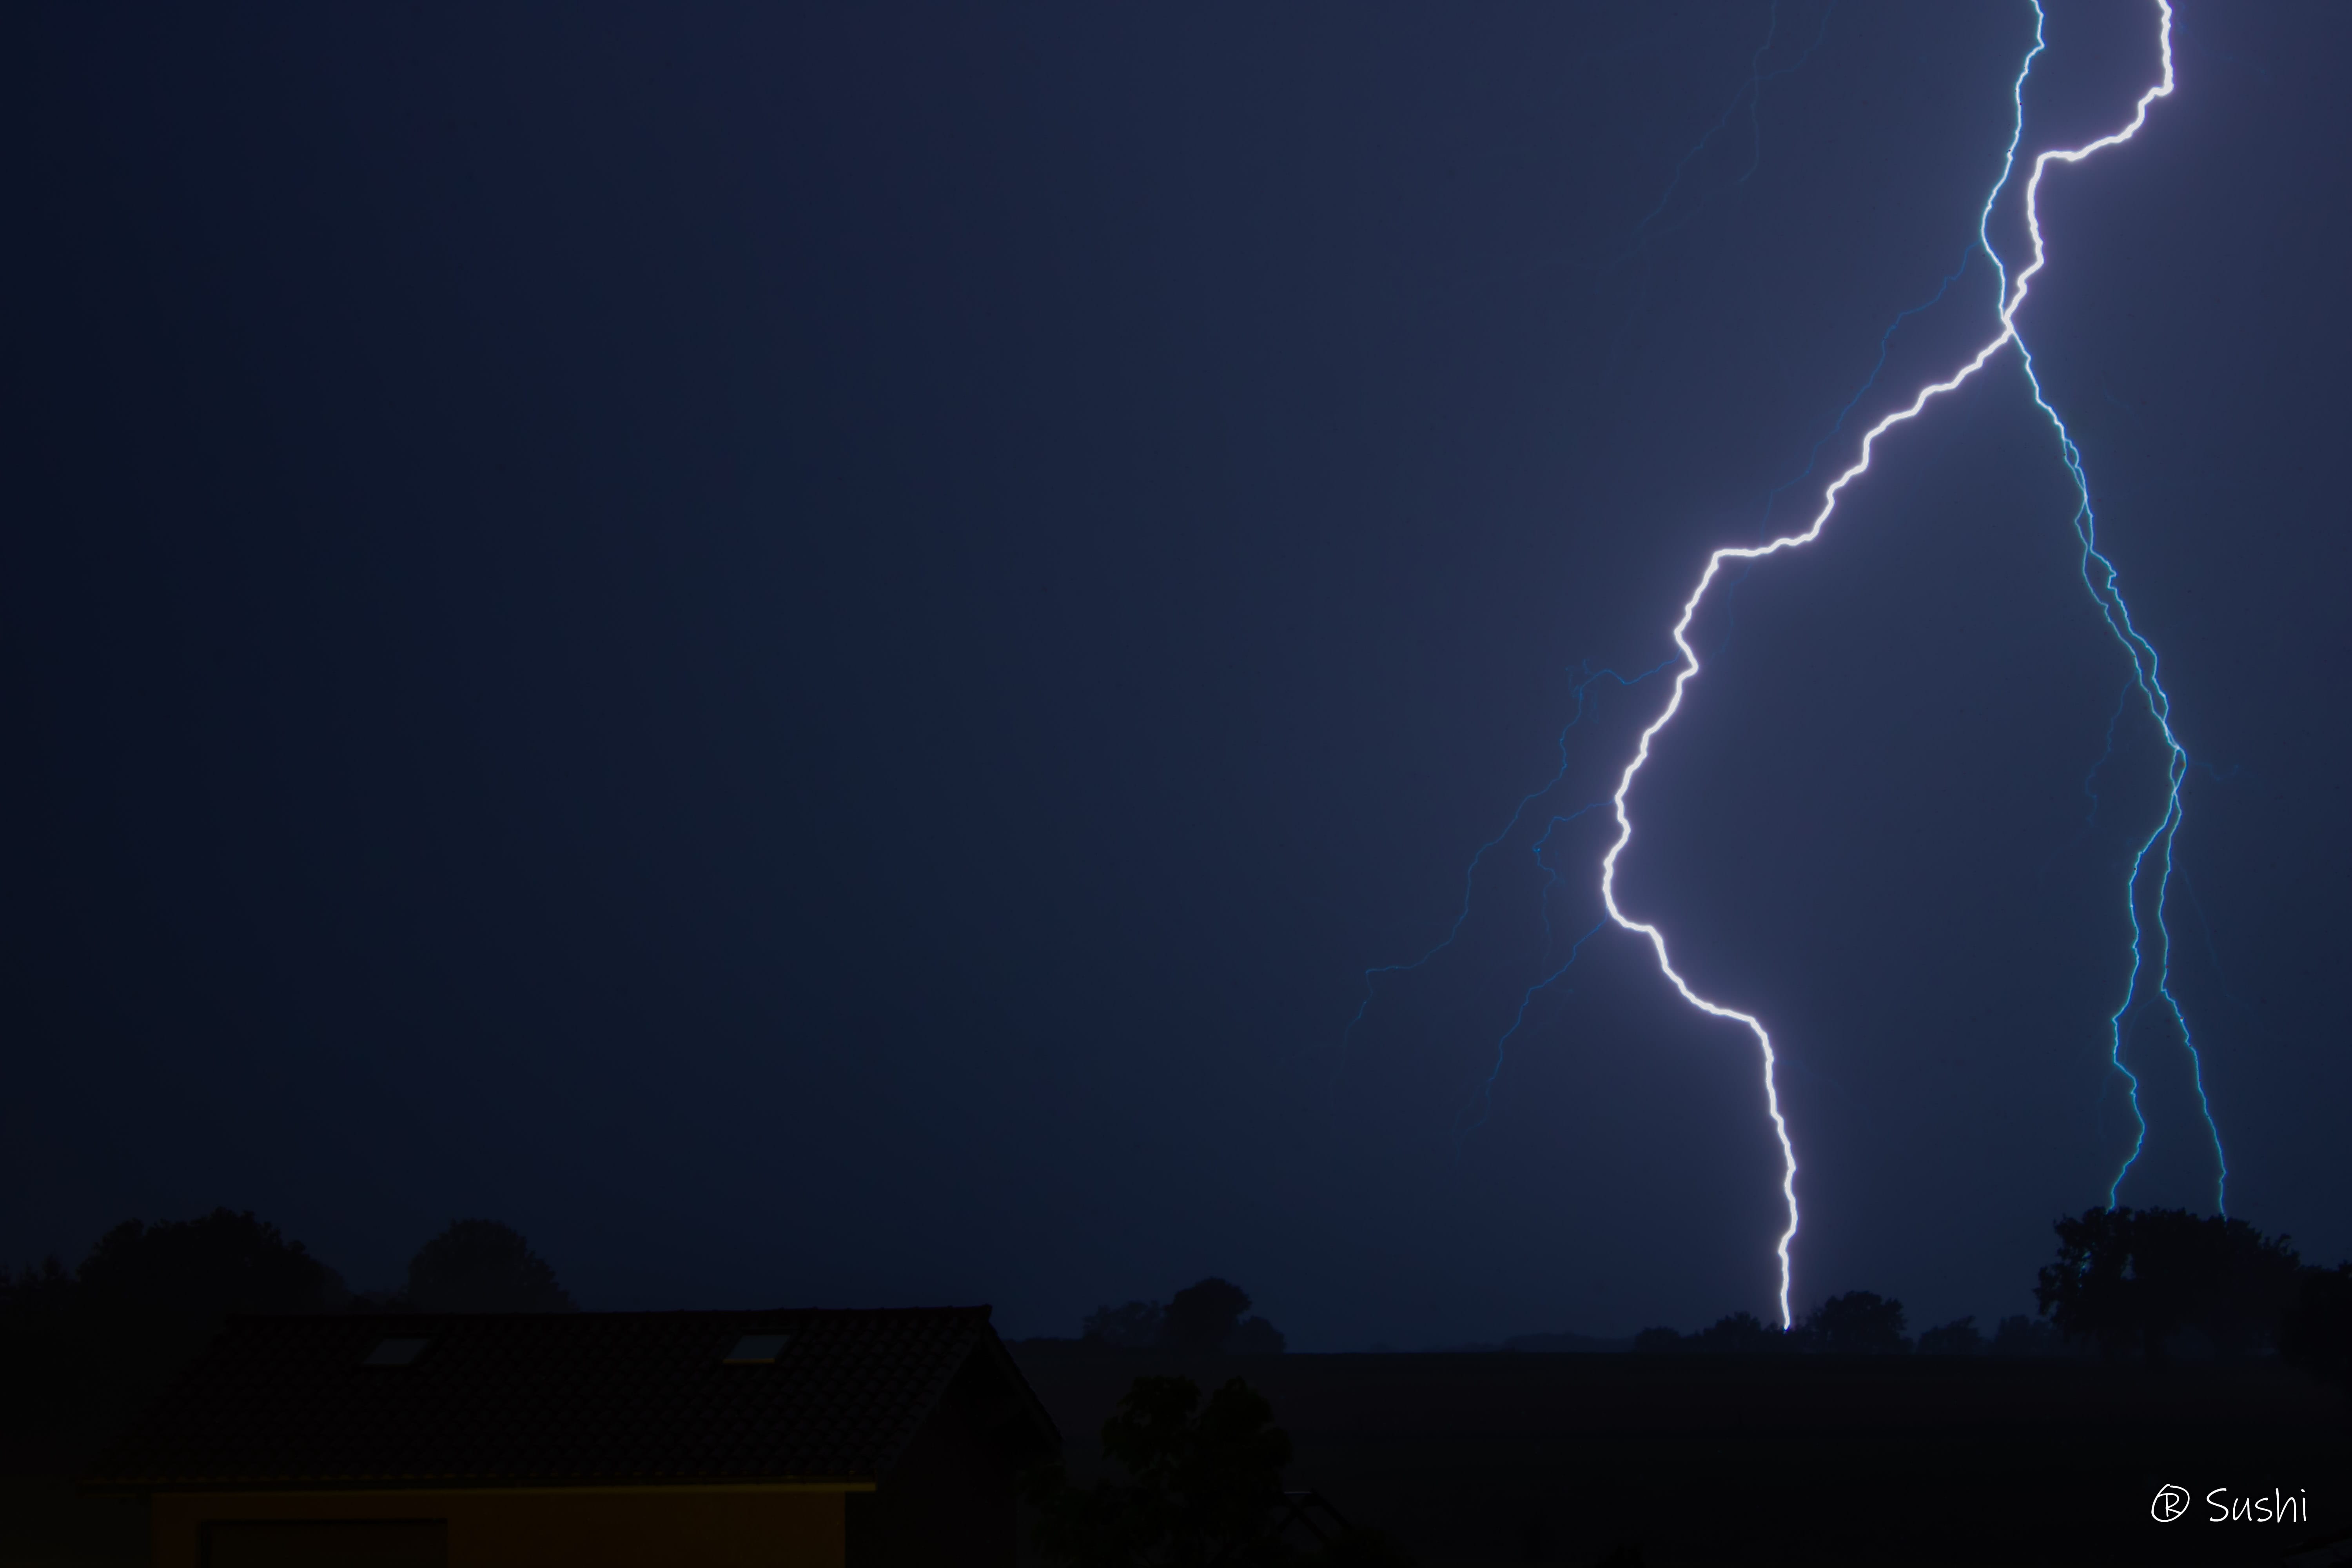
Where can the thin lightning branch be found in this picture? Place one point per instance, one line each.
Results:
(2091, 779)
(1527, 998)
(2017, 290)
(2102, 579)
(2212, 950)
(1470, 873)
(1551, 873)
(1750, 92)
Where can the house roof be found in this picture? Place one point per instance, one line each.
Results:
(569, 1399)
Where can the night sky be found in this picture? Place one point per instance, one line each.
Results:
(807, 653)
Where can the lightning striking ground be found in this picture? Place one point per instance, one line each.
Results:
(2103, 588)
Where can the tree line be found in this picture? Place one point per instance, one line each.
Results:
(2151, 1283)
(83, 1349)
(1206, 1318)
(1193, 1480)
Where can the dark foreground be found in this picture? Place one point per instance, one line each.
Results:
(1692, 1459)
(1797, 1460)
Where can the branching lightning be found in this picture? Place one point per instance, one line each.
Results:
(2099, 577)
(1585, 705)
(2148, 983)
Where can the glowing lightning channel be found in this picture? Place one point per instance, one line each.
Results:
(2018, 289)
(2102, 579)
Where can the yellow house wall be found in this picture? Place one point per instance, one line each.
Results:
(733, 1527)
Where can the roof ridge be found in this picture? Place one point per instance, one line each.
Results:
(569, 1398)
(985, 1311)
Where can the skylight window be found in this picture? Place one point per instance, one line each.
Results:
(396, 1352)
(757, 1350)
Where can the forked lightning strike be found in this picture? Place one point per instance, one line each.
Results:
(2017, 293)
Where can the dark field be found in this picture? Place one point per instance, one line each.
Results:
(1692, 1459)
(1800, 1459)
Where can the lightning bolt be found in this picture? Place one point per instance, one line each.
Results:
(2099, 575)
(2103, 580)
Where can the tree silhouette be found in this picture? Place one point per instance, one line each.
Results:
(1201, 1318)
(1256, 1336)
(481, 1266)
(1202, 1485)
(198, 1271)
(1737, 1333)
(1859, 1322)
(81, 1351)
(2132, 1280)
(1137, 1326)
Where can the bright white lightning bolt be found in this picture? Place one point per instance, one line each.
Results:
(2018, 289)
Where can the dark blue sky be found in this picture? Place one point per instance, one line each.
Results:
(808, 654)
